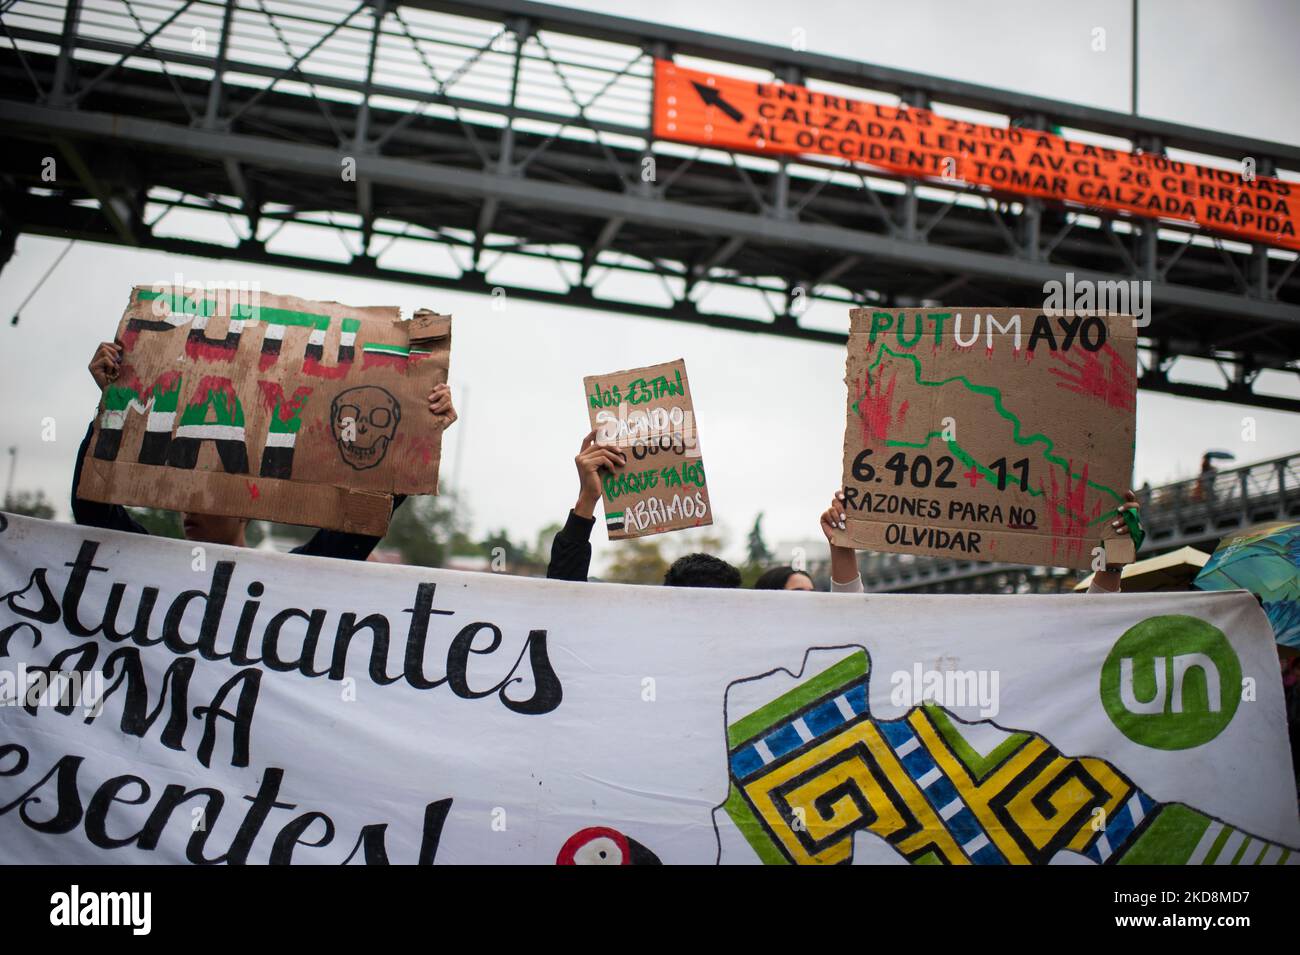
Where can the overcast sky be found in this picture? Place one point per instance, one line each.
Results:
(770, 410)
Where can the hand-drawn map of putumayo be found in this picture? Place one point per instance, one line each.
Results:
(989, 434)
(648, 413)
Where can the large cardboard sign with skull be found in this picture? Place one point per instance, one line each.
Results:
(269, 406)
(649, 415)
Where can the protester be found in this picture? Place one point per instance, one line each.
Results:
(847, 579)
(571, 549)
(214, 528)
(784, 578)
(701, 570)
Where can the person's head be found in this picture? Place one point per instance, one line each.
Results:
(784, 578)
(701, 570)
(213, 528)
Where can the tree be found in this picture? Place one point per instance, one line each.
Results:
(422, 530)
(29, 504)
(758, 552)
(638, 562)
(159, 522)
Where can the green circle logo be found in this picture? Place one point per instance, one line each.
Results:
(1171, 682)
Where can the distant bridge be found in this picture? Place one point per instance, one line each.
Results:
(501, 146)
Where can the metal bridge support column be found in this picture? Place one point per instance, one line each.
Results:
(522, 29)
(219, 68)
(1259, 254)
(361, 138)
(1148, 252)
(1031, 220)
(646, 185)
(58, 95)
(918, 100)
(781, 182)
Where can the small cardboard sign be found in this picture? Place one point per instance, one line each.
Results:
(271, 407)
(648, 413)
(989, 434)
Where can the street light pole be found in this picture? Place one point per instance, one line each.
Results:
(1133, 44)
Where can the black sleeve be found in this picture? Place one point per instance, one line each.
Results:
(571, 550)
(342, 545)
(113, 517)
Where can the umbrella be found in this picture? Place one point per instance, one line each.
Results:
(1264, 559)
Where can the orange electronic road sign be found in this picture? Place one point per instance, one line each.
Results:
(785, 119)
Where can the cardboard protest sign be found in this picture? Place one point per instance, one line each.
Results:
(269, 406)
(723, 112)
(947, 731)
(989, 434)
(648, 413)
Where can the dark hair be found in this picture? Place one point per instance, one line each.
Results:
(775, 578)
(701, 570)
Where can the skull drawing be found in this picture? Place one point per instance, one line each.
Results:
(364, 420)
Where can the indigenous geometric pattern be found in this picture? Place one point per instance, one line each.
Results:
(812, 767)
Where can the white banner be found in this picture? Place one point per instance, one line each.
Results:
(219, 704)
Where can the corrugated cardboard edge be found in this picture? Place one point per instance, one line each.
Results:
(138, 485)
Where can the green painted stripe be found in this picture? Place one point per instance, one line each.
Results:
(1245, 843)
(1286, 854)
(849, 670)
(351, 324)
(1170, 838)
(1219, 843)
(742, 815)
(375, 348)
(1263, 851)
(979, 766)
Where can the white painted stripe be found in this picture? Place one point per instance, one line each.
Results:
(161, 421)
(1103, 847)
(1207, 841)
(275, 332)
(842, 704)
(1230, 848)
(930, 778)
(1135, 810)
(236, 327)
(950, 810)
(211, 432)
(281, 439)
(764, 753)
(200, 322)
(975, 845)
(912, 744)
(113, 420)
(317, 336)
(348, 339)
(802, 729)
